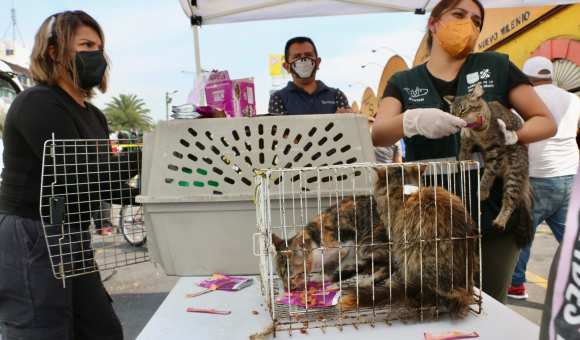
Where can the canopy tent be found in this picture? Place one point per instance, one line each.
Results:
(207, 12)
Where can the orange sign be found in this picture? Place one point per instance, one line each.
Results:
(501, 23)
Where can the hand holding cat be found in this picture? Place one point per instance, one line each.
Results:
(431, 123)
(511, 137)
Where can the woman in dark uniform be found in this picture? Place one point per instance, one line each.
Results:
(413, 108)
(67, 63)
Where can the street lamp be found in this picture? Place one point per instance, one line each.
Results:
(375, 50)
(168, 100)
(393, 51)
(357, 83)
(192, 72)
(371, 63)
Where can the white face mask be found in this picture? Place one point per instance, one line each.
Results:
(304, 67)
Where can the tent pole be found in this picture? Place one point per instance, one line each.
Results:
(198, 69)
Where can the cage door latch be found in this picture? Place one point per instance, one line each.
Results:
(256, 238)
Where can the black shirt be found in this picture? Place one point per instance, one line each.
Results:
(33, 117)
(449, 88)
(294, 100)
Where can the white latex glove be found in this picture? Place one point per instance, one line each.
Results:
(511, 137)
(431, 123)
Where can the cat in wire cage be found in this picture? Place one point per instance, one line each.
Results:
(423, 249)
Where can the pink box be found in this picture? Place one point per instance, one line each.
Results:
(235, 97)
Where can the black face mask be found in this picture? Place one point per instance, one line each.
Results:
(91, 67)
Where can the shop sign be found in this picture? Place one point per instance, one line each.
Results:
(503, 23)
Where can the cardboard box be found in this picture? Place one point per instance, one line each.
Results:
(235, 97)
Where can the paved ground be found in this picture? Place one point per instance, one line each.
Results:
(543, 251)
(137, 293)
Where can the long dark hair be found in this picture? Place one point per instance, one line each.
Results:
(441, 8)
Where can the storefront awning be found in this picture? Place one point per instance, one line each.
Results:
(206, 12)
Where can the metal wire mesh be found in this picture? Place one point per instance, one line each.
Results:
(387, 242)
(87, 205)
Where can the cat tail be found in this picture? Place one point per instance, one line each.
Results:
(524, 228)
(457, 302)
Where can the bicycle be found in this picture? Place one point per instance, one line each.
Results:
(132, 224)
(131, 219)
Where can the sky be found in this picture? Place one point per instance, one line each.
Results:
(150, 45)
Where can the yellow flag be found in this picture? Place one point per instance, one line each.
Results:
(275, 65)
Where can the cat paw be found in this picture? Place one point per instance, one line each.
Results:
(366, 281)
(347, 301)
(332, 286)
(498, 225)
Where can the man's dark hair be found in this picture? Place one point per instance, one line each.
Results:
(298, 40)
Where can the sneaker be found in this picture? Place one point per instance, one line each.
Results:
(517, 292)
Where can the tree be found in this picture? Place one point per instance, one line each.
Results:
(128, 112)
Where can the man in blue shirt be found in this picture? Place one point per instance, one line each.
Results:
(305, 94)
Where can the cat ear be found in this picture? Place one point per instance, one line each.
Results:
(477, 91)
(449, 99)
(279, 243)
(414, 172)
(381, 172)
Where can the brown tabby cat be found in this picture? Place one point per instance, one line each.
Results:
(507, 161)
(358, 217)
(427, 272)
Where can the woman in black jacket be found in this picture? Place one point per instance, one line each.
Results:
(67, 63)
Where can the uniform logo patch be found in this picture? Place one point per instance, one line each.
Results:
(472, 78)
(485, 73)
(417, 92)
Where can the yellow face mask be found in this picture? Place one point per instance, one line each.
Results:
(457, 37)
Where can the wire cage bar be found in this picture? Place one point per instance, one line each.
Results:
(381, 242)
(87, 205)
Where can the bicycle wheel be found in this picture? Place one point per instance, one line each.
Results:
(132, 225)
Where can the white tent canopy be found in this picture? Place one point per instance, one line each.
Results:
(229, 11)
(207, 12)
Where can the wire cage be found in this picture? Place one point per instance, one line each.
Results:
(87, 205)
(399, 241)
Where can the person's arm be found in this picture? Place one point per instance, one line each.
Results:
(388, 125)
(41, 115)
(539, 123)
(431, 123)
(342, 103)
(397, 154)
(392, 124)
(276, 105)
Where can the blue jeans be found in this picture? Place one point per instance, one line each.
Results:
(551, 196)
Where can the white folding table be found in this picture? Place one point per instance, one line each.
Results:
(171, 321)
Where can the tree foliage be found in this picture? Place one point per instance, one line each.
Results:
(127, 112)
